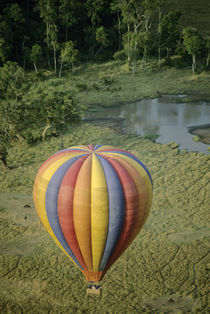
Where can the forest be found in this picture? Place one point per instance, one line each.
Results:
(54, 36)
(57, 33)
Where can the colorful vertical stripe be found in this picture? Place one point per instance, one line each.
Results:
(93, 200)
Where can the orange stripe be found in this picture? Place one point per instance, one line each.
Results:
(92, 276)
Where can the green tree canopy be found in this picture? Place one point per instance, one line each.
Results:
(68, 55)
(36, 55)
(169, 31)
(208, 51)
(13, 82)
(193, 42)
(53, 106)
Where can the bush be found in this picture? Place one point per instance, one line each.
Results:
(180, 63)
(82, 87)
(51, 106)
(168, 62)
(151, 136)
(13, 82)
(96, 86)
(32, 136)
(119, 55)
(108, 81)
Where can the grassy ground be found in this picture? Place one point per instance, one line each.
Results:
(110, 83)
(163, 271)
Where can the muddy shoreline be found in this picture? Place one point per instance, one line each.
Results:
(202, 131)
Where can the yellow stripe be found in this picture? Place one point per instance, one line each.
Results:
(40, 197)
(99, 212)
(83, 147)
(105, 147)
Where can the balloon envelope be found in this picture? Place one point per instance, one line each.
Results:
(93, 201)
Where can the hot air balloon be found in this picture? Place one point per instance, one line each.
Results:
(93, 201)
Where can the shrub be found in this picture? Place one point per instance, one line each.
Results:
(151, 136)
(95, 86)
(108, 81)
(82, 87)
(119, 55)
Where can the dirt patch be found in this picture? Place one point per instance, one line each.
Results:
(204, 135)
(171, 304)
(203, 132)
(189, 236)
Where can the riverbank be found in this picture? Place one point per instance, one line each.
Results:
(202, 133)
(164, 270)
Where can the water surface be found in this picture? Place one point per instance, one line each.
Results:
(166, 116)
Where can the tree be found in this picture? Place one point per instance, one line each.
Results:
(14, 118)
(149, 7)
(14, 115)
(116, 8)
(48, 13)
(132, 17)
(4, 50)
(159, 5)
(53, 106)
(193, 42)
(94, 8)
(5, 43)
(12, 30)
(169, 31)
(13, 82)
(67, 14)
(143, 42)
(54, 42)
(208, 51)
(68, 55)
(101, 38)
(3, 149)
(136, 15)
(36, 55)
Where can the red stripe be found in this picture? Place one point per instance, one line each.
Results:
(91, 147)
(131, 210)
(65, 208)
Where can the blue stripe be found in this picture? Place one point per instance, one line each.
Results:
(51, 200)
(116, 209)
(134, 158)
(97, 146)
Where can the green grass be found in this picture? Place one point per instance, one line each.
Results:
(163, 271)
(110, 83)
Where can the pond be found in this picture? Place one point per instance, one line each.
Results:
(169, 117)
